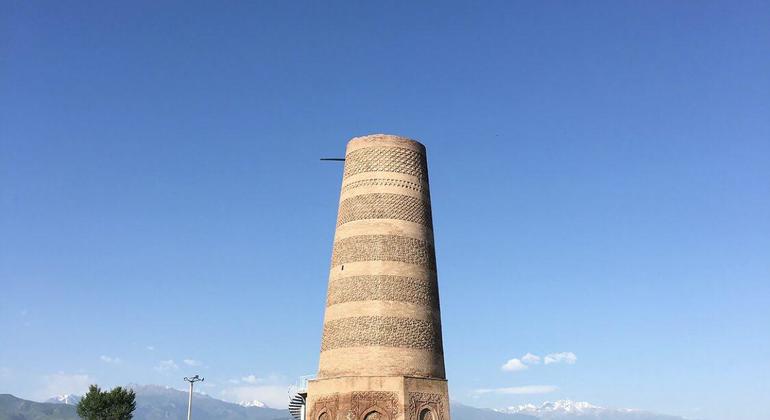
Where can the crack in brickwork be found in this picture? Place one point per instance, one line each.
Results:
(386, 159)
(384, 248)
(384, 288)
(383, 331)
(385, 206)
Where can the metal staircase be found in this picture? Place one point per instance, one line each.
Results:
(297, 406)
(297, 397)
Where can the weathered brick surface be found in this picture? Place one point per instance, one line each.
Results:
(383, 288)
(384, 248)
(381, 350)
(385, 331)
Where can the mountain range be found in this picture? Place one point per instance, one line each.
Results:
(568, 410)
(155, 402)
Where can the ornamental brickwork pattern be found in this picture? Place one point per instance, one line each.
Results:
(423, 292)
(364, 402)
(385, 206)
(384, 248)
(325, 407)
(387, 182)
(383, 331)
(421, 401)
(386, 159)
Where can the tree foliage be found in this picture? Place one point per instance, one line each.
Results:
(116, 404)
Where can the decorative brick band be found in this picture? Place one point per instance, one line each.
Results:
(385, 206)
(383, 331)
(384, 248)
(386, 182)
(386, 159)
(386, 288)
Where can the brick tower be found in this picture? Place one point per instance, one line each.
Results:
(381, 351)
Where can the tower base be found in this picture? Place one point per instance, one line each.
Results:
(377, 398)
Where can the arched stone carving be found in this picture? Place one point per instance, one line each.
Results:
(375, 415)
(425, 414)
(426, 406)
(325, 407)
(380, 405)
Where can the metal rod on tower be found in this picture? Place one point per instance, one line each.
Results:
(192, 380)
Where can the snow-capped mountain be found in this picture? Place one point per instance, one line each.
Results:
(254, 403)
(68, 399)
(555, 407)
(567, 409)
(164, 403)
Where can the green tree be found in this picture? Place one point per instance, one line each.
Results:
(116, 404)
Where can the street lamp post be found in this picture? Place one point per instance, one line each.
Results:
(192, 380)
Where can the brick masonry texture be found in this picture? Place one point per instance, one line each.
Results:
(386, 182)
(381, 347)
(385, 206)
(386, 159)
(383, 331)
(383, 287)
(384, 248)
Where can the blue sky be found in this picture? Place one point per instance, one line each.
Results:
(599, 170)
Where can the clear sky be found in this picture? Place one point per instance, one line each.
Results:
(600, 179)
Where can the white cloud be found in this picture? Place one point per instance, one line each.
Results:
(530, 359)
(254, 379)
(166, 365)
(563, 357)
(519, 390)
(513, 365)
(62, 383)
(192, 362)
(251, 379)
(272, 395)
(150, 348)
(109, 359)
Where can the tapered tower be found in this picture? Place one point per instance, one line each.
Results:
(381, 352)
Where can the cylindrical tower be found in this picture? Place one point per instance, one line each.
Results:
(381, 350)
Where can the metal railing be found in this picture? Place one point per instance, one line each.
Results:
(301, 386)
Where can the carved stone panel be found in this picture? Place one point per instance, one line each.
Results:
(426, 406)
(325, 407)
(374, 405)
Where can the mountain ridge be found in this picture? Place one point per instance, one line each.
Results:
(568, 409)
(155, 402)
